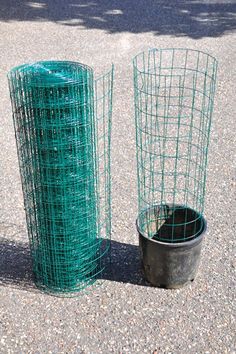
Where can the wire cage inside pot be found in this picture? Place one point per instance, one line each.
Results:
(173, 95)
(62, 120)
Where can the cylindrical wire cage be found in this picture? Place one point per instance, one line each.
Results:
(62, 120)
(173, 95)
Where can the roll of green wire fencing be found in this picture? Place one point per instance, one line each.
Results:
(174, 93)
(62, 120)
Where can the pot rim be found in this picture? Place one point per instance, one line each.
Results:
(185, 243)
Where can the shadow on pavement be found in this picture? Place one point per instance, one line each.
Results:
(125, 265)
(192, 18)
(16, 266)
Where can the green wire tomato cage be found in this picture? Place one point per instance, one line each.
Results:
(173, 95)
(62, 120)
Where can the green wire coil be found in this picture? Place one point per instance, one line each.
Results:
(62, 120)
(173, 96)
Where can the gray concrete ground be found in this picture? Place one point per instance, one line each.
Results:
(123, 315)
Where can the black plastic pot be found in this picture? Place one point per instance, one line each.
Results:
(168, 264)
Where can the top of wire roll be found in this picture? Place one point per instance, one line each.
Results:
(53, 73)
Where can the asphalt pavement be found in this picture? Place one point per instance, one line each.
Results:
(124, 314)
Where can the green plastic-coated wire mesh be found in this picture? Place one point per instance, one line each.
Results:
(62, 120)
(173, 95)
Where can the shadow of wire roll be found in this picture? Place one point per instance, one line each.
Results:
(174, 93)
(62, 120)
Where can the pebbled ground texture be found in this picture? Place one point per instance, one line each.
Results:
(124, 315)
